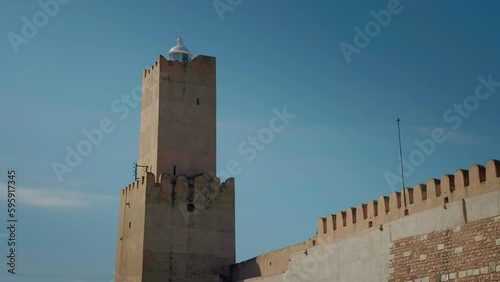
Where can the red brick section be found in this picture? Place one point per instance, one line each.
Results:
(467, 253)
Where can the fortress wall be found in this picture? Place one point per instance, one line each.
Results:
(362, 243)
(468, 252)
(189, 228)
(267, 263)
(148, 135)
(130, 229)
(436, 193)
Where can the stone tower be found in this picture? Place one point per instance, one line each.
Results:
(178, 114)
(177, 219)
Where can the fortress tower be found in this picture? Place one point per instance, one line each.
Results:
(178, 114)
(177, 220)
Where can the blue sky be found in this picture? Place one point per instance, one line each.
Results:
(423, 66)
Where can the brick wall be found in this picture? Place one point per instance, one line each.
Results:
(466, 253)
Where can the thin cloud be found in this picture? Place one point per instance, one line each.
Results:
(57, 199)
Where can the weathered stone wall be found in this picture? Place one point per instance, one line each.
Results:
(356, 245)
(189, 229)
(470, 252)
(130, 247)
(177, 222)
(178, 117)
(179, 229)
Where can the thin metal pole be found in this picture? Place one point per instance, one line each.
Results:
(401, 161)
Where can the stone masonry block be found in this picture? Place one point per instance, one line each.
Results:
(492, 266)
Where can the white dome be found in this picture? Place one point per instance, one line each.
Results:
(179, 52)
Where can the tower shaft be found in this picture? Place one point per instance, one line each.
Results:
(178, 117)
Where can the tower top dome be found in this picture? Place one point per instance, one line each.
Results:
(179, 52)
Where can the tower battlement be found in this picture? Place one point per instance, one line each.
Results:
(169, 69)
(164, 225)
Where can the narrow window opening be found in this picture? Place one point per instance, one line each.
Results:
(129, 224)
(175, 169)
(197, 101)
(370, 224)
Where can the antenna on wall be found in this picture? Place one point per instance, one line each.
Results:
(402, 171)
(135, 169)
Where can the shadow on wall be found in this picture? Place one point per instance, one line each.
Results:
(245, 270)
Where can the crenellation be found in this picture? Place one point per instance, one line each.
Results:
(477, 174)
(340, 222)
(164, 179)
(420, 192)
(200, 184)
(351, 216)
(434, 188)
(361, 215)
(436, 193)
(331, 223)
(409, 195)
(394, 206)
(181, 189)
(372, 209)
(461, 182)
(492, 169)
(215, 186)
(153, 69)
(383, 205)
(342, 215)
(448, 184)
(225, 198)
(433, 193)
(322, 226)
(201, 191)
(174, 69)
